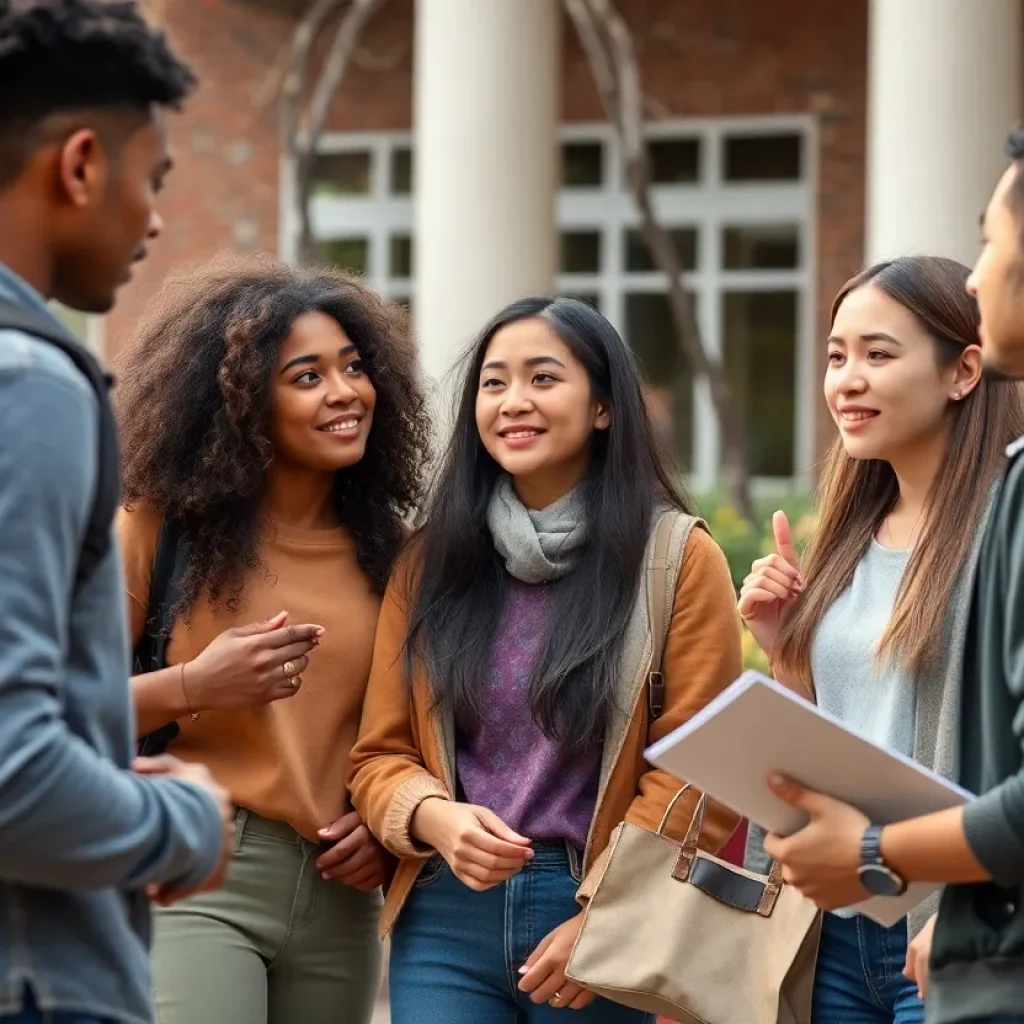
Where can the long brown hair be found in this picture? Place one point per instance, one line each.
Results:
(855, 495)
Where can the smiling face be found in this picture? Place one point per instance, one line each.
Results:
(535, 411)
(322, 406)
(884, 386)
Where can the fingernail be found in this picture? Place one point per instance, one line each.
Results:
(319, 631)
(523, 969)
(326, 877)
(324, 832)
(776, 781)
(529, 854)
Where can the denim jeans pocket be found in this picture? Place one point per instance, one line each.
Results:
(431, 872)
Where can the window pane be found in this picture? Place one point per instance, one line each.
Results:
(674, 161)
(763, 157)
(652, 338)
(347, 253)
(636, 257)
(400, 256)
(401, 171)
(762, 247)
(582, 164)
(580, 252)
(760, 363)
(342, 174)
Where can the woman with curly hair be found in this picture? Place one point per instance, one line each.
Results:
(272, 417)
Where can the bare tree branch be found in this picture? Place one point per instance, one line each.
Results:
(293, 84)
(346, 37)
(608, 44)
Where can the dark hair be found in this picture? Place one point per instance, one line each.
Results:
(194, 408)
(855, 495)
(461, 581)
(63, 56)
(1014, 149)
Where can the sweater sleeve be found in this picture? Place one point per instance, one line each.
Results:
(702, 657)
(387, 776)
(994, 823)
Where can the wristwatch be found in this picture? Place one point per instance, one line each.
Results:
(875, 875)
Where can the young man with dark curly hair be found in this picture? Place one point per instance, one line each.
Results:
(84, 841)
(274, 425)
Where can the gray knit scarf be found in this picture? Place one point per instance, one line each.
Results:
(537, 547)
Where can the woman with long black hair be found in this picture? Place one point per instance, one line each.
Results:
(507, 710)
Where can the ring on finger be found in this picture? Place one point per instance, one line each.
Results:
(290, 669)
(556, 998)
(294, 682)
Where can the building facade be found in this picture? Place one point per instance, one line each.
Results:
(469, 161)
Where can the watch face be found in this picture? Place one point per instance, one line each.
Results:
(880, 881)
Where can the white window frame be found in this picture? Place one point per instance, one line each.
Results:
(709, 205)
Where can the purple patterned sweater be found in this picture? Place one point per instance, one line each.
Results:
(506, 763)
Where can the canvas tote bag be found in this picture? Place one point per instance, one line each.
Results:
(673, 930)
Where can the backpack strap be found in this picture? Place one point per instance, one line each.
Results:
(663, 568)
(169, 565)
(97, 539)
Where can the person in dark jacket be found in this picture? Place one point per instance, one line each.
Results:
(974, 968)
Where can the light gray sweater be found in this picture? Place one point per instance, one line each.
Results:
(936, 698)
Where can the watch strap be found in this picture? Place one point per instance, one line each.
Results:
(871, 847)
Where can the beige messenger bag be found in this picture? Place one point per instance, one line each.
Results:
(673, 930)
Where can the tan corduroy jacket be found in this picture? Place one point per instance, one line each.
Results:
(405, 753)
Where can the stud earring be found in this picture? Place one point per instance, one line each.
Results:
(957, 396)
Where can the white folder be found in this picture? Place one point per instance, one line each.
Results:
(757, 727)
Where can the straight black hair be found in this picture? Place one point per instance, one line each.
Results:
(459, 593)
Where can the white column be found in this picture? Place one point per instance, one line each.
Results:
(487, 90)
(944, 88)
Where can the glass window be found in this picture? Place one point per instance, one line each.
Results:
(351, 254)
(400, 256)
(761, 247)
(401, 171)
(674, 161)
(580, 252)
(760, 363)
(652, 337)
(582, 164)
(636, 256)
(342, 174)
(763, 157)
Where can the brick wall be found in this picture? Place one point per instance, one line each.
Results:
(730, 57)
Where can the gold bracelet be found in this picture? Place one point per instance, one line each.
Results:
(192, 714)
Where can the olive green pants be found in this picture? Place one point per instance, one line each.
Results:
(276, 945)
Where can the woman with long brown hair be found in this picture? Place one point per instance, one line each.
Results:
(871, 623)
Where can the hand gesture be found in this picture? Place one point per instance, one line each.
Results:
(198, 775)
(771, 588)
(250, 666)
(543, 974)
(918, 955)
(355, 858)
(480, 848)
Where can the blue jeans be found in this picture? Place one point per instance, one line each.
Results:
(455, 953)
(31, 1014)
(859, 978)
